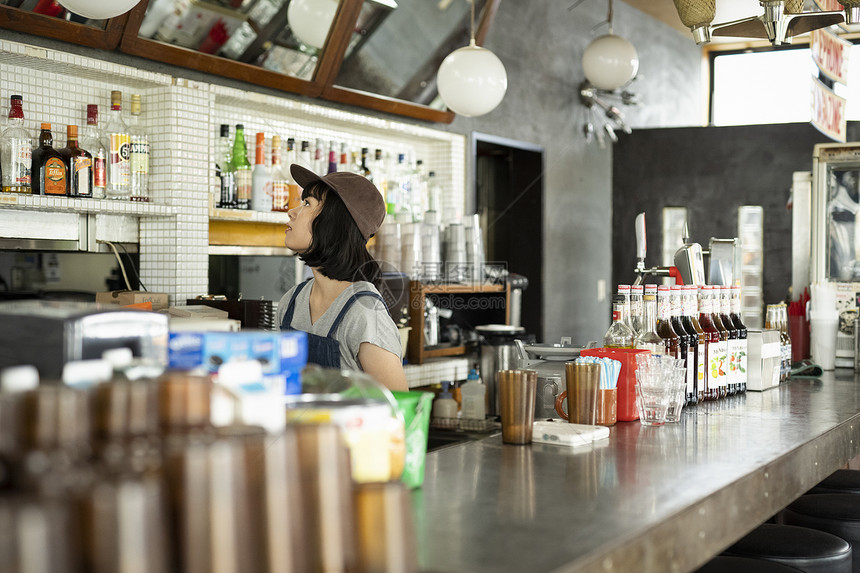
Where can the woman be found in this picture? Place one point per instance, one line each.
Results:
(346, 319)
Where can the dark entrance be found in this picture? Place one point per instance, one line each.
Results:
(509, 200)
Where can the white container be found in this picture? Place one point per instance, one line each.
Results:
(474, 395)
(763, 359)
(823, 327)
(444, 406)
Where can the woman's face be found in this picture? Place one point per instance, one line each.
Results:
(298, 235)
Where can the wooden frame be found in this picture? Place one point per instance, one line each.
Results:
(59, 29)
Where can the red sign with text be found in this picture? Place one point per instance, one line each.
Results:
(830, 53)
(828, 111)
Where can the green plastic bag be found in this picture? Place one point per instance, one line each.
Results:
(415, 409)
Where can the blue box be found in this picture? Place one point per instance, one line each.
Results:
(282, 354)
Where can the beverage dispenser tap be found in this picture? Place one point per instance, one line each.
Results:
(641, 249)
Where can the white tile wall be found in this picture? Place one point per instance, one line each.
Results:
(182, 118)
(436, 370)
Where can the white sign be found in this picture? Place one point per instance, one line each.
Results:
(828, 111)
(830, 53)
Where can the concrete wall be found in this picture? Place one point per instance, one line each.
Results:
(541, 44)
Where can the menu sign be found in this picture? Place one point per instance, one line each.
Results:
(829, 5)
(828, 111)
(830, 53)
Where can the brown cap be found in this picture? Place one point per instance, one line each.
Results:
(360, 196)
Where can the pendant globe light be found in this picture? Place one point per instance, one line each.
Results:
(310, 20)
(472, 80)
(99, 9)
(610, 61)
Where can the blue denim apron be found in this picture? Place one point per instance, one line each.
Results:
(323, 350)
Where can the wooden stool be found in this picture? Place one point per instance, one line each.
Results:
(805, 549)
(725, 564)
(835, 513)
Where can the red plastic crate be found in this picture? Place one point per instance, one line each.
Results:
(627, 411)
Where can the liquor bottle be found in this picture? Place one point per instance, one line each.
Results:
(332, 158)
(261, 181)
(365, 168)
(671, 340)
(648, 339)
(783, 317)
(691, 323)
(319, 162)
(675, 311)
(343, 162)
(305, 159)
(79, 165)
(118, 144)
(733, 344)
(637, 316)
(243, 169)
(51, 174)
(619, 334)
(140, 153)
(280, 179)
(355, 164)
(714, 291)
(91, 140)
(624, 291)
(403, 190)
(434, 193)
(16, 151)
(742, 337)
(295, 191)
(713, 346)
(418, 181)
(226, 170)
(380, 173)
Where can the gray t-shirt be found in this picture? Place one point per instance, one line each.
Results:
(366, 321)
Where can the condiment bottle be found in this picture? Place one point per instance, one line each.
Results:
(444, 406)
(733, 344)
(671, 340)
(742, 337)
(714, 296)
(697, 344)
(675, 317)
(474, 397)
(713, 347)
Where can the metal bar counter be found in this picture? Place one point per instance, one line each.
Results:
(662, 499)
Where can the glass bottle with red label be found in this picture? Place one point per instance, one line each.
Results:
(90, 139)
(713, 345)
(48, 166)
(738, 322)
(671, 340)
(733, 344)
(79, 163)
(16, 151)
(697, 340)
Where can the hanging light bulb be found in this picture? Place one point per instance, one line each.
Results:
(610, 61)
(310, 20)
(472, 80)
(98, 9)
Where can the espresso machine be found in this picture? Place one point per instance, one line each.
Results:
(548, 361)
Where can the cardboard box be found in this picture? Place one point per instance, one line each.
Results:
(127, 297)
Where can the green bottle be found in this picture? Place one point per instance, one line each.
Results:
(243, 169)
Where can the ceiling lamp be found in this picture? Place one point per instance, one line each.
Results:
(610, 61)
(98, 9)
(310, 20)
(472, 80)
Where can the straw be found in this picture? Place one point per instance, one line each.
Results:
(609, 370)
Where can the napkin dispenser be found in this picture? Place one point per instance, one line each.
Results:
(763, 359)
(47, 334)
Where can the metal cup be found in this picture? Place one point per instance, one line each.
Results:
(517, 389)
(583, 387)
(385, 528)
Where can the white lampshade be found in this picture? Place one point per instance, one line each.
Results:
(610, 62)
(472, 80)
(310, 20)
(99, 9)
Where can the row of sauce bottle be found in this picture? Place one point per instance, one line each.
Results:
(700, 325)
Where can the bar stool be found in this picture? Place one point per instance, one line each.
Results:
(725, 564)
(835, 513)
(840, 481)
(805, 549)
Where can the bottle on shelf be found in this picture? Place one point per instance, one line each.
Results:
(343, 159)
(742, 337)
(648, 339)
(243, 169)
(434, 193)
(139, 163)
(733, 344)
(118, 144)
(403, 191)
(418, 182)
(474, 397)
(305, 159)
(48, 165)
(91, 140)
(697, 342)
(280, 179)
(79, 165)
(714, 347)
(225, 170)
(332, 158)
(295, 192)
(365, 168)
(319, 164)
(16, 151)
(380, 173)
(675, 312)
(619, 335)
(637, 316)
(724, 338)
(261, 180)
(671, 340)
(624, 291)
(783, 323)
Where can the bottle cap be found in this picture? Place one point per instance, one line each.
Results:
(71, 132)
(116, 99)
(261, 138)
(16, 98)
(240, 126)
(276, 141)
(225, 130)
(135, 104)
(46, 126)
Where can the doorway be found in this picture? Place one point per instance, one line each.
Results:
(509, 201)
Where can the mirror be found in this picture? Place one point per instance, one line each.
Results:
(53, 9)
(50, 20)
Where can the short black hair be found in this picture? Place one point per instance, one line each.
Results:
(338, 249)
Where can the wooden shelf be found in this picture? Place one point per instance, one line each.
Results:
(416, 352)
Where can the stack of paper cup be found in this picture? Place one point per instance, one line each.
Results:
(475, 248)
(455, 253)
(389, 251)
(823, 324)
(411, 251)
(431, 253)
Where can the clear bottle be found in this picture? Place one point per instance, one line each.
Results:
(295, 191)
(697, 344)
(226, 170)
(261, 180)
(380, 173)
(16, 151)
(243, 169)
(305, 159)
(637, 311)
(671, 340)
(118, 144)
(139, 163)
(48, 166)
(733, 344)
(403, 194)
(91, 140)
(79, 164)
(742, 337)
(648, 339)
(619, 335)
(319, 163)
(714, 347)
(434, 193)
(419, 185)
(280, 179)
(624, 291)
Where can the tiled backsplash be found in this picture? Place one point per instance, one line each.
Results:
(182, 118)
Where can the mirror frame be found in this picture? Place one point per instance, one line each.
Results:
(59, 29)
